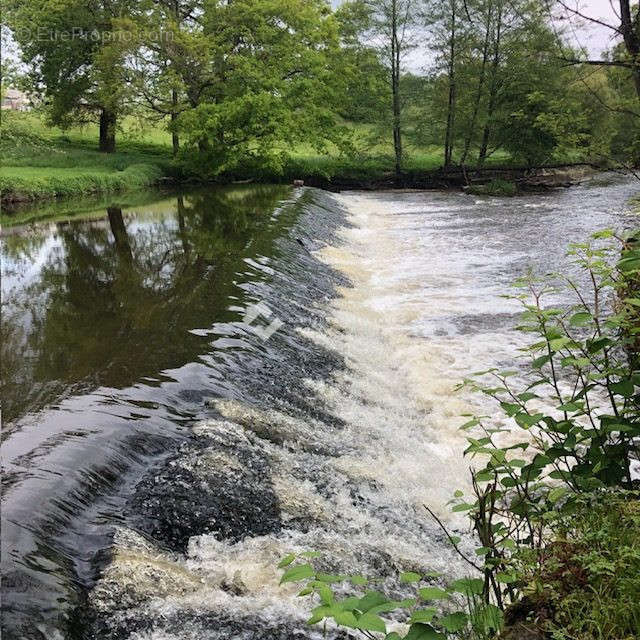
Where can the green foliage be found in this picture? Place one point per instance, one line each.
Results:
(68, 47)
(557, 546)
(427, 613)
(537, 126)
(586, 584)
(573, 414)
(266, 80)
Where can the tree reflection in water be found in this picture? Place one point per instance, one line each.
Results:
(111, 301)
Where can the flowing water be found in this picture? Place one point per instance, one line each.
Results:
(162, 450)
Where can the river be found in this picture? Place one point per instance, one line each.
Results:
(194, 386)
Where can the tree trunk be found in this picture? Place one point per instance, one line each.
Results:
(493, 91)
(174, 116)
(448, 142)
(395, 89)
(119, 231)
(629, 29)
(107, 131)
(481, 81)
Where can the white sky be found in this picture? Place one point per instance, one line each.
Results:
(594, 37)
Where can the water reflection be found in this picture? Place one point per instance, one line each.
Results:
(106, 355)
(109, 301)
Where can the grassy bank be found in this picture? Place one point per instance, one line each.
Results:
(41, 162)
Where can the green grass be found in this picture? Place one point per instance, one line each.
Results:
(587, 585)
(42, 162)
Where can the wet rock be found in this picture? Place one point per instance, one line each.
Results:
(206, 490)
(187, 625)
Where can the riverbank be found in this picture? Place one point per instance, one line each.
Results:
(43, 163)
(124, 172)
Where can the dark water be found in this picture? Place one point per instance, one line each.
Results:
(114, 332)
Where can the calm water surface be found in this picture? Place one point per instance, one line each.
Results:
(107, 355)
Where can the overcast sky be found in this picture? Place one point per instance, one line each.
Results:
(596, 38)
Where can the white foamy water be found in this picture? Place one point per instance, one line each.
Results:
(424, 309)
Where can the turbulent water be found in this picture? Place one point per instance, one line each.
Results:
(160, 497)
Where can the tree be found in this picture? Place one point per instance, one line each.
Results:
(258, 77)
(626, 28)
(147, 43)
(388, 25)
(365, 86)
(66, 44)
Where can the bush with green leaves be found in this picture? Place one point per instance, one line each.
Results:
(586, 584)
(429, 613)
(573, 430)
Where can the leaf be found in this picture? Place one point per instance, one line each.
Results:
(454, 621)
(310, 554)
(463, 506)
(392, 636)
(433, 593)
(346, 619)
(325, 593)
(506, 578)
(287, 560)
(420, 631)
(539, 362)
(349, 604)
(525, 420)
(299, 572)
(469, 424)
(392, 605)
(358, 580)
(624, 388)
(556, 494)
(371, 622)
(319, 613)
(423, 615)
(305, 592)
(580, 319)
(559, 343)
(371, 599)
(468, 586)
(409, 577)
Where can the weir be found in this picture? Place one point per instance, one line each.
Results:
(188, 482)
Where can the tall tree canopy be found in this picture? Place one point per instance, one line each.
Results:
(67, 44)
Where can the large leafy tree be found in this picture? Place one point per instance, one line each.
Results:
(258, 76)
(624, 29)
(157, 63)
(68, 47)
